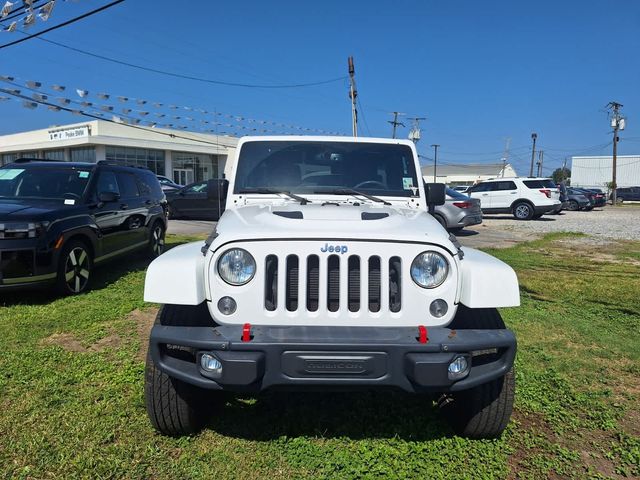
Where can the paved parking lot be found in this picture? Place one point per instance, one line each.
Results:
(501, 231)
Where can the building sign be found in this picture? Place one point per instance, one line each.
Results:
(69, 133)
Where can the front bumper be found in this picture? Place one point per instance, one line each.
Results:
(24, 263)
(300, 358)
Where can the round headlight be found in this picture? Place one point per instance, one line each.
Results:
(429, 269)
(236, 266)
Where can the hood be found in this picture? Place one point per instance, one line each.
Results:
(343, 220)
(30, 210)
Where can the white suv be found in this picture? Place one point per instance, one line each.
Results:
(525, 198)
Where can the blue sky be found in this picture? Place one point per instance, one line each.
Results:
(479, 71)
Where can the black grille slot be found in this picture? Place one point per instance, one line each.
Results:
(354, 283)
(374, 284)
(395, 284)
(271, 283)
(333, 283)
(292, 283)
(313, 282)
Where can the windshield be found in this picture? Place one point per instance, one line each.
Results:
(43, 182)
(326, 167)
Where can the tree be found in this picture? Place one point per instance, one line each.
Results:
(560, 174)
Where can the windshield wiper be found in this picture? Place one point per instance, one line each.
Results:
(351, 191)
(297, 198)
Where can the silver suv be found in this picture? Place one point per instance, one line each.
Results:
(525, 198)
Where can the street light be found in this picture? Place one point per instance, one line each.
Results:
(435, 161)
(534, 136)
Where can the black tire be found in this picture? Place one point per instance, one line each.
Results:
(440, 220)
(156, 239)
(75, 266)
(573, 206)
(483, 411)
(523, 211)
(176, 408)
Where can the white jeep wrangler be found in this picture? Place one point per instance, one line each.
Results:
(326, 271)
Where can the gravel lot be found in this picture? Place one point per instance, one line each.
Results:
(622, 223)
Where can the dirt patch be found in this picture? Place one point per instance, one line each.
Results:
(591, 445)
(144, 320)
(71, 344)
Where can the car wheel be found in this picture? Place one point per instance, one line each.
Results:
(156, 240)
(523, 211)
(483, 411)
(74, 268)
(573, 206)
(175, 407)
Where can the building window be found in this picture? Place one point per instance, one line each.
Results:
(83, 154)
(8, 158)
(57, 155)
(32, 154)
(137, 157)
(193, 167)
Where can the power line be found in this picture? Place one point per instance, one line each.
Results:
(188, 77)
(63, 24)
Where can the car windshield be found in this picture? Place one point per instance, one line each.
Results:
(43, 182)
(309, 167)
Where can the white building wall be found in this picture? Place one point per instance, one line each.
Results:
(597, 171)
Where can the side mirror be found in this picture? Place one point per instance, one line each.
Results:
(106, 197)
(435, 193)
(217, 192)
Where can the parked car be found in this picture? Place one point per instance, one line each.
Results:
(525, 198)
(60, 219)
(577, 200)
(167, 184)
(628, 194)
(192, 202)
(599, 197)
(458, 211)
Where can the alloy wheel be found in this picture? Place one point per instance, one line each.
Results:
(77, 270)
(157, 240)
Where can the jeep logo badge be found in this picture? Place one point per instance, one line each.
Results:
(334, 248)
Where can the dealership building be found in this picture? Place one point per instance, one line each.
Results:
(185, 157)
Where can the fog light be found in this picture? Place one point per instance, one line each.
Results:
(438, 308)
(210, 363)
(227, 305)
(458, 368)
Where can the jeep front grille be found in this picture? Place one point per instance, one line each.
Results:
(322, 285)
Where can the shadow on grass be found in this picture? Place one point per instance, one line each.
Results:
(466, 233)
(353, 415)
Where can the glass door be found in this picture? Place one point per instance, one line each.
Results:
(183, 176)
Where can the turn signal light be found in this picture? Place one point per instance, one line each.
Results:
(546, 191)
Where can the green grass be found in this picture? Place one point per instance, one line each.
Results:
(80, 414)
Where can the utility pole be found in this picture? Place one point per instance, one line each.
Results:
(435, 161)
(617, 122)
(395, 123)
(505, 156)
(353, 94)
(534, 137)
(564, 169)
(539, 163)
(415, 133)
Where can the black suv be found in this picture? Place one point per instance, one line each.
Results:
(59, 219)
